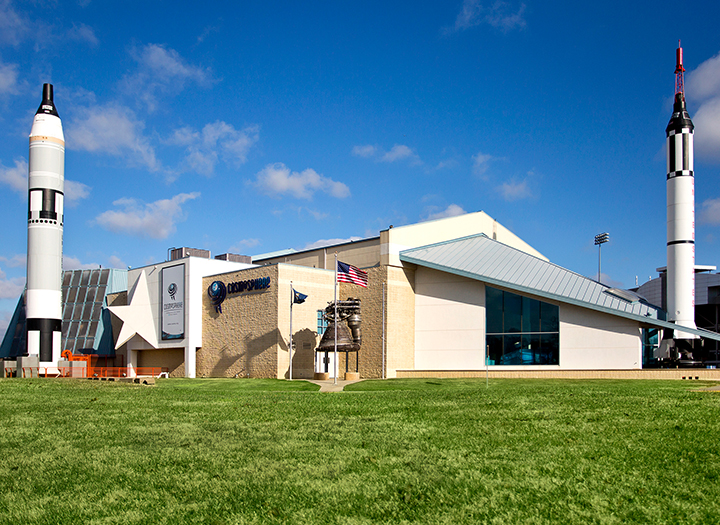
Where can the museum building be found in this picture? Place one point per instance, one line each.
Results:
(441, 296)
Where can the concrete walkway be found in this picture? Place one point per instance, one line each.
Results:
(327, 385)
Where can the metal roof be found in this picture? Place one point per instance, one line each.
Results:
(481, 258)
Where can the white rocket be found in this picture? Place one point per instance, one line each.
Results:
(680, 211)
(43, 299)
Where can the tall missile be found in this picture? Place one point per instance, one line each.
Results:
(680, 210)
(43, 299)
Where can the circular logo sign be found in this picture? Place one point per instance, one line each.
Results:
(217, 293)
(172, 290)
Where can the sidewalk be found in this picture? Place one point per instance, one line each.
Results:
(327, 385)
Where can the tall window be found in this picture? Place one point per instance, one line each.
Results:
(321, 322)
(520, 330)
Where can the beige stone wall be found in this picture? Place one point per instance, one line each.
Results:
(243, 339)
(171, 358)
(363, 254)
(250, 337)
(399, 322)
(318, 286)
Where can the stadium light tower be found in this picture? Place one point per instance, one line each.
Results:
(600, 239)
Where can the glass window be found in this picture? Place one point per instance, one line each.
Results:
(104, 277)
(493, 310)
(512, 313)
(321, 322)
(550, 315)
(85, 277)
(94, 276)
(530, 315)
(495, 349)
(520, 330)
(76, 277)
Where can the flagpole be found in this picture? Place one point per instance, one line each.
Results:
(336, 319)
(292, 300)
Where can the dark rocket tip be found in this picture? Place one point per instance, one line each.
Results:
(47, 106)
(47, 92)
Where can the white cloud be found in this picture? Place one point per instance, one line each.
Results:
(216, 140)
(277, 179)
(452, 210)
(515, 190)
(5, 318)
(16, 261)
(160, 71)
(116, 262)
(368, 150)
(329, 242)
(244, 244)
(499, 15)
(112, 129)
(8, 79)
(710, 212)
(398, 152)
(75, 192)
(703, 85)
(13, 26)
(16, 177)
(481, 163)
(155, 220)
(83, 33)
(73, 263)
(11, 288)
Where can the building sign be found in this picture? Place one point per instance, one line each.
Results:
(218, 290)
(173, 302)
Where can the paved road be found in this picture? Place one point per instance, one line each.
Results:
(327, 385)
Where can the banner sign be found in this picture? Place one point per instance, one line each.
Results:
(173, 302)
(218, 290)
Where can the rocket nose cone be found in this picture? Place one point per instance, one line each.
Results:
(47, 106)
(48, 92)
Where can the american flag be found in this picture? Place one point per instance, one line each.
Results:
(347, 273)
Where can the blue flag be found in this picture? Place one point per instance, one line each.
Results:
(298, 298)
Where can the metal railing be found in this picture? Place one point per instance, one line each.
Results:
(99, 372)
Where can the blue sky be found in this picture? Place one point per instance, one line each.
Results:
(250, 127)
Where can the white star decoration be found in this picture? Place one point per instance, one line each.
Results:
(137, 316)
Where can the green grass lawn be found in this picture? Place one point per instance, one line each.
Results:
(397, 451)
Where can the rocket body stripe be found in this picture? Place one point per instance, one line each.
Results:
(46, 176)
(680, 218)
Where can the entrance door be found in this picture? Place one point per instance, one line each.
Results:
(325, 362)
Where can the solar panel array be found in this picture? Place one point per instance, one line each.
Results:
(83, 293)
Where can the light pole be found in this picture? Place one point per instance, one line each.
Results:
(600, 239)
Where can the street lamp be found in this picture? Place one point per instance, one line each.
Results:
(600, 239)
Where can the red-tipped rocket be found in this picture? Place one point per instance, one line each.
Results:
(43, 299)
(680, 210)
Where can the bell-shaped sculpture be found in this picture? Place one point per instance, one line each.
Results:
(344, 339)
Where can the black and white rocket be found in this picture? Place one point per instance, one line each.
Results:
(680, 211)
(43, 299)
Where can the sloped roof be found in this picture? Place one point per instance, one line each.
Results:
(481, 258)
